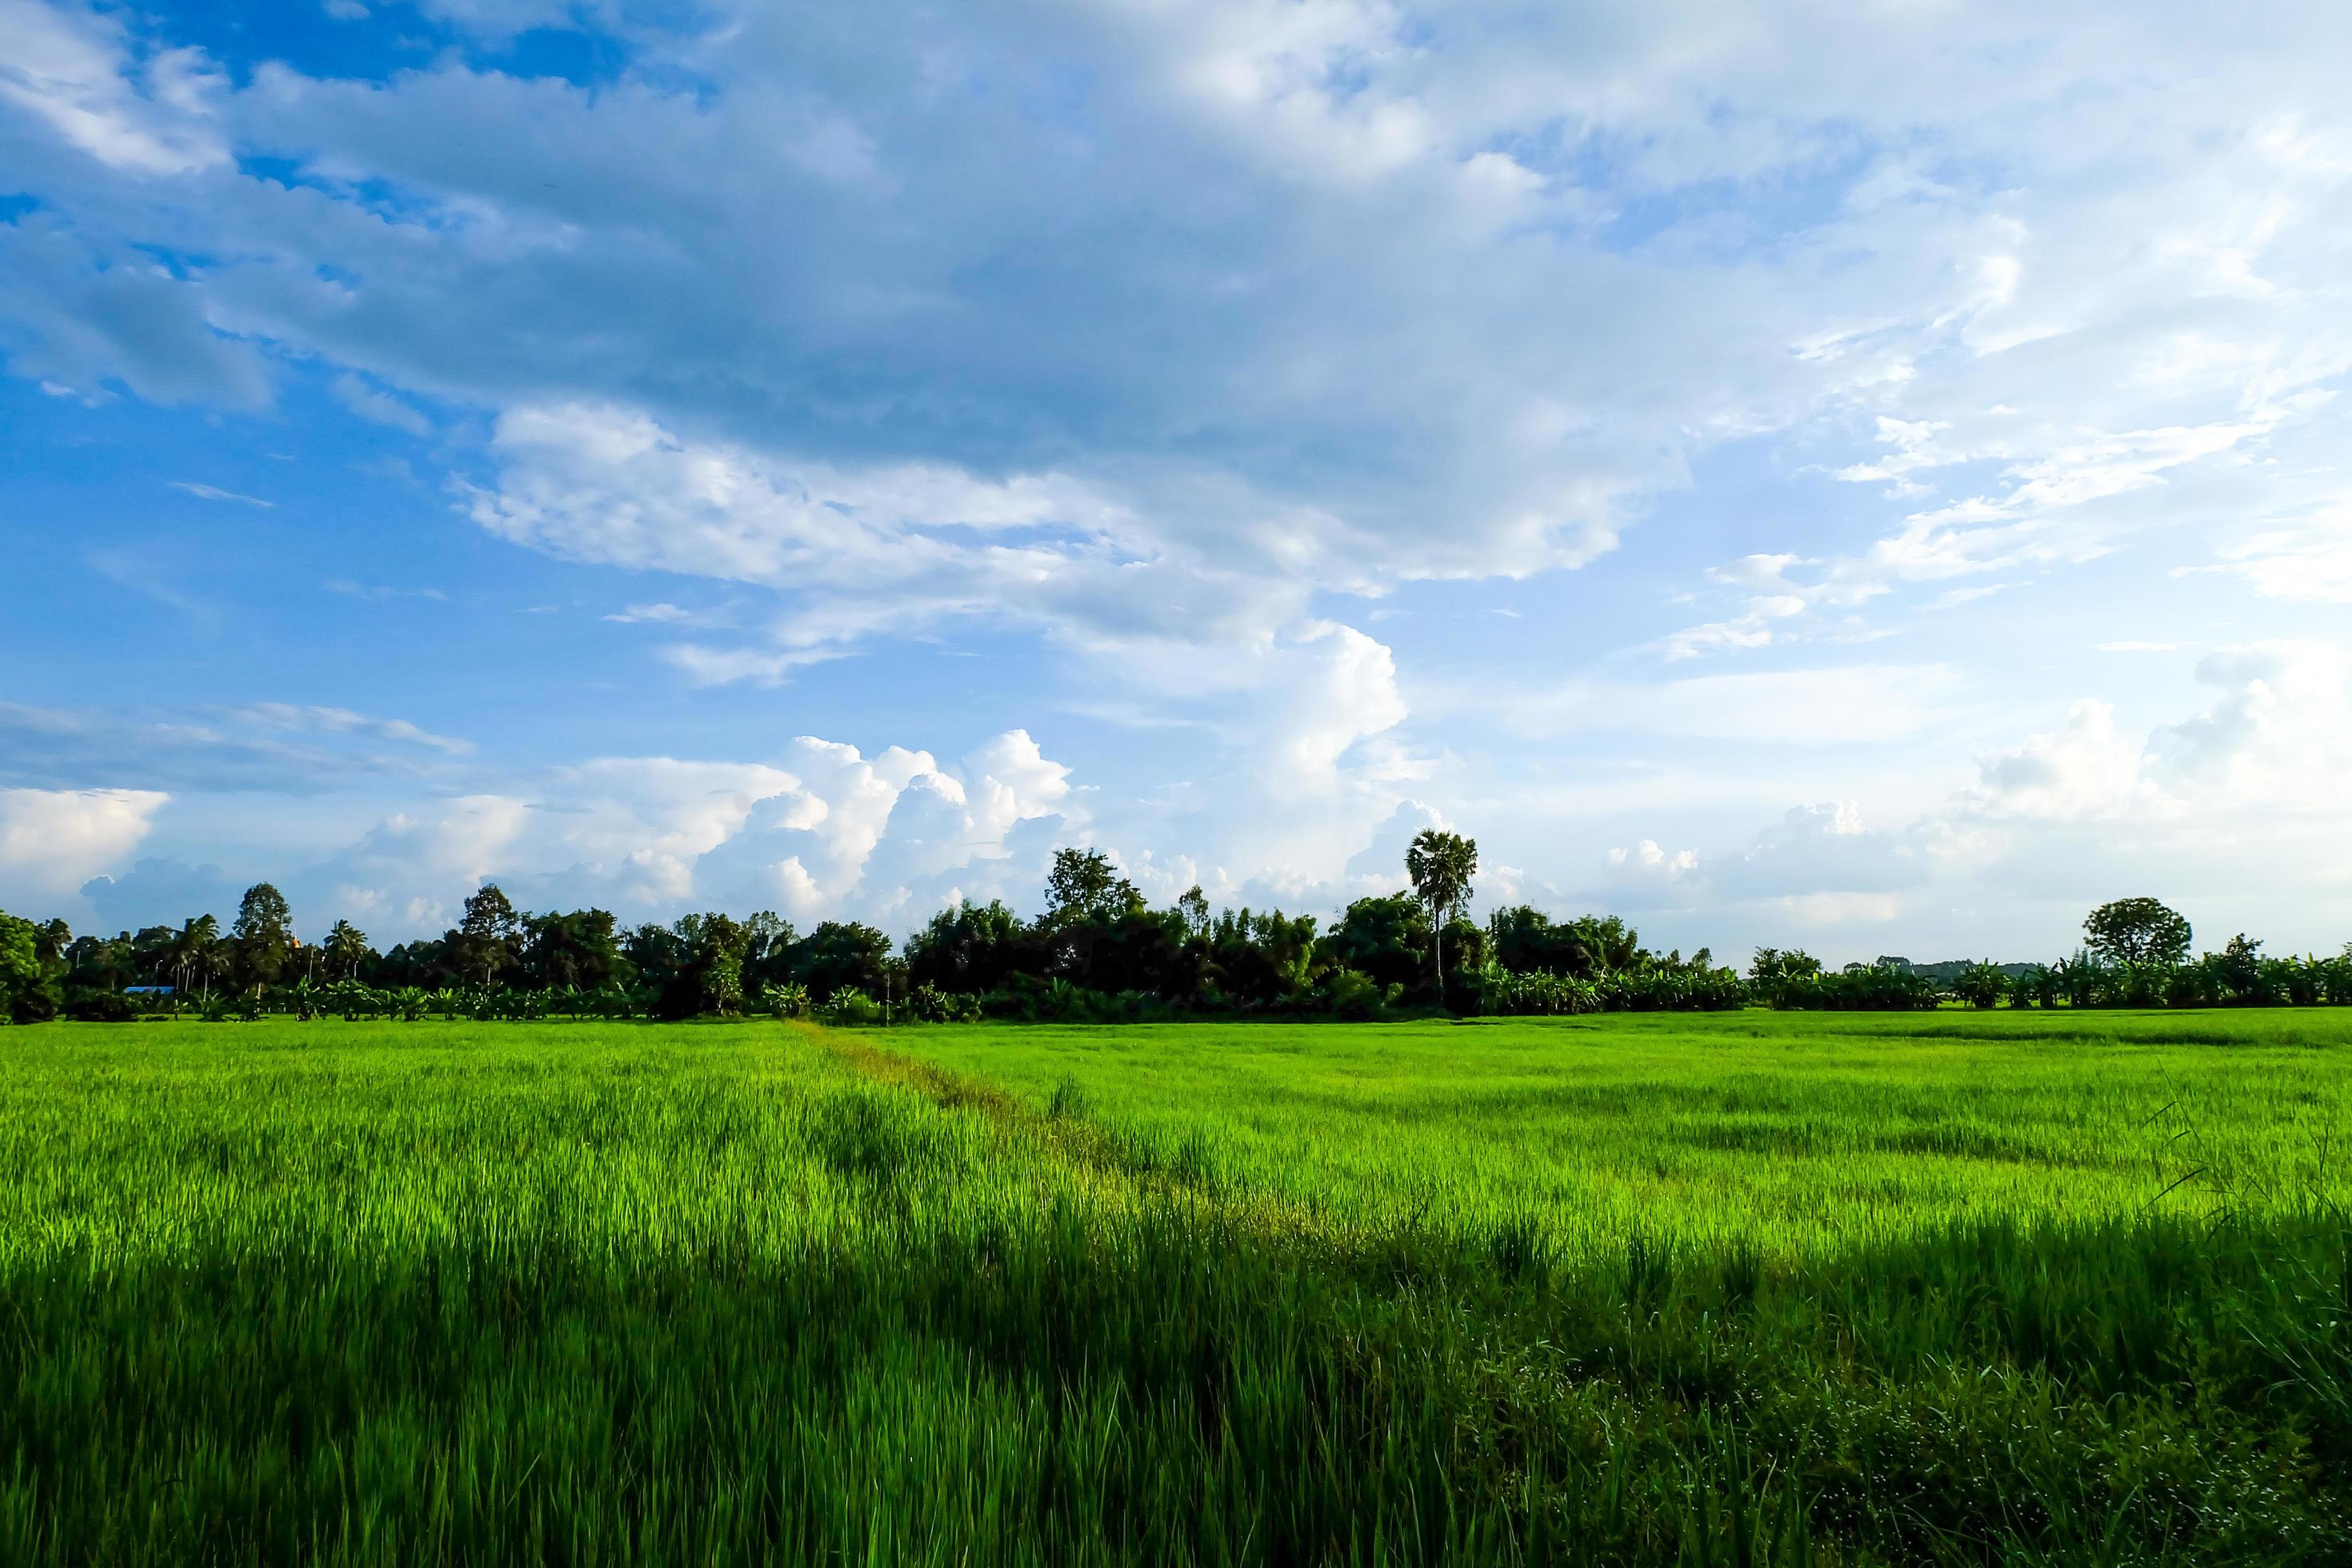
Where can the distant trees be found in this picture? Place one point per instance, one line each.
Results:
(965, 947)
(2137, 931)
(841, 955)
(581, 948)
(1099, 951)
(1523, 938)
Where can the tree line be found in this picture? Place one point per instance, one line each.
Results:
(1099, 951)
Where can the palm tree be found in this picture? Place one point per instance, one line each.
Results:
(193, 951)
(345, 946)
(1441, 865)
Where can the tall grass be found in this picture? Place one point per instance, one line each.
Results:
(578, 1293)
(1796, 1134)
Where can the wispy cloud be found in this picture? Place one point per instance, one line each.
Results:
(379, 591)
(343, 721)
(669, 615)
(213, 492)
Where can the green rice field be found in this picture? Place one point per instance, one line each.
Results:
(1665, 1288)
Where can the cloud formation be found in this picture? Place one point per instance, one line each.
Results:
(1799, 368)
(52, 841)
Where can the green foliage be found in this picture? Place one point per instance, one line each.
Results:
(927, 1003)
(790, 1000)
(26, 996)
(1386, 938)
(2137, 931)
(1085, 885)
(850, 1007)
(262, 936)
(1440, 864)
(1981, 985)
(485, 943)
(1101, 955)
(1526, 940)
(966, 946)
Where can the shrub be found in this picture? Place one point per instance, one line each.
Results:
(851, 1008)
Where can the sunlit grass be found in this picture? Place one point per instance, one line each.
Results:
(1795, 1133)
(1737, 1289)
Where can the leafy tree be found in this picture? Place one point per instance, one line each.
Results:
(768, 941)
(1526, 940)
(1384, 939)
(1085, 898)
(1608, 942)
(580, 948)
(969, 947)
(657, 954)
(2239, 968)
(101, 966)
(1441, 864)
(1086, 885)
(263, 936)
(840, 955)
(2137, 931)
(487, 932)
(718, 967)
(1193, 905)
(26, 996)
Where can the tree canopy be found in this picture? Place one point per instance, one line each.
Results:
(2137, 931)
(1099, 950)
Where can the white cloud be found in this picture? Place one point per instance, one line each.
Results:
(315, 719)
(382, 408)
(1834, 705)
(668, 614)
(52, 841)
(2236, 813)
(820, 831)
(72, 70)
(213, 492)
(856, 552)
(2305, 562)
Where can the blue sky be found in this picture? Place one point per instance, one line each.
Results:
(1860, 477)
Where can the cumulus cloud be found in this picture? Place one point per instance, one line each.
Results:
(2221, 810)
(820, 831)
(53, 841)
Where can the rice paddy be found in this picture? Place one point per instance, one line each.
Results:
(1709, 1289)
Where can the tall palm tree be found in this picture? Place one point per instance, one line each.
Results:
(191, 951)
(345, 945)
(1441, 865)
